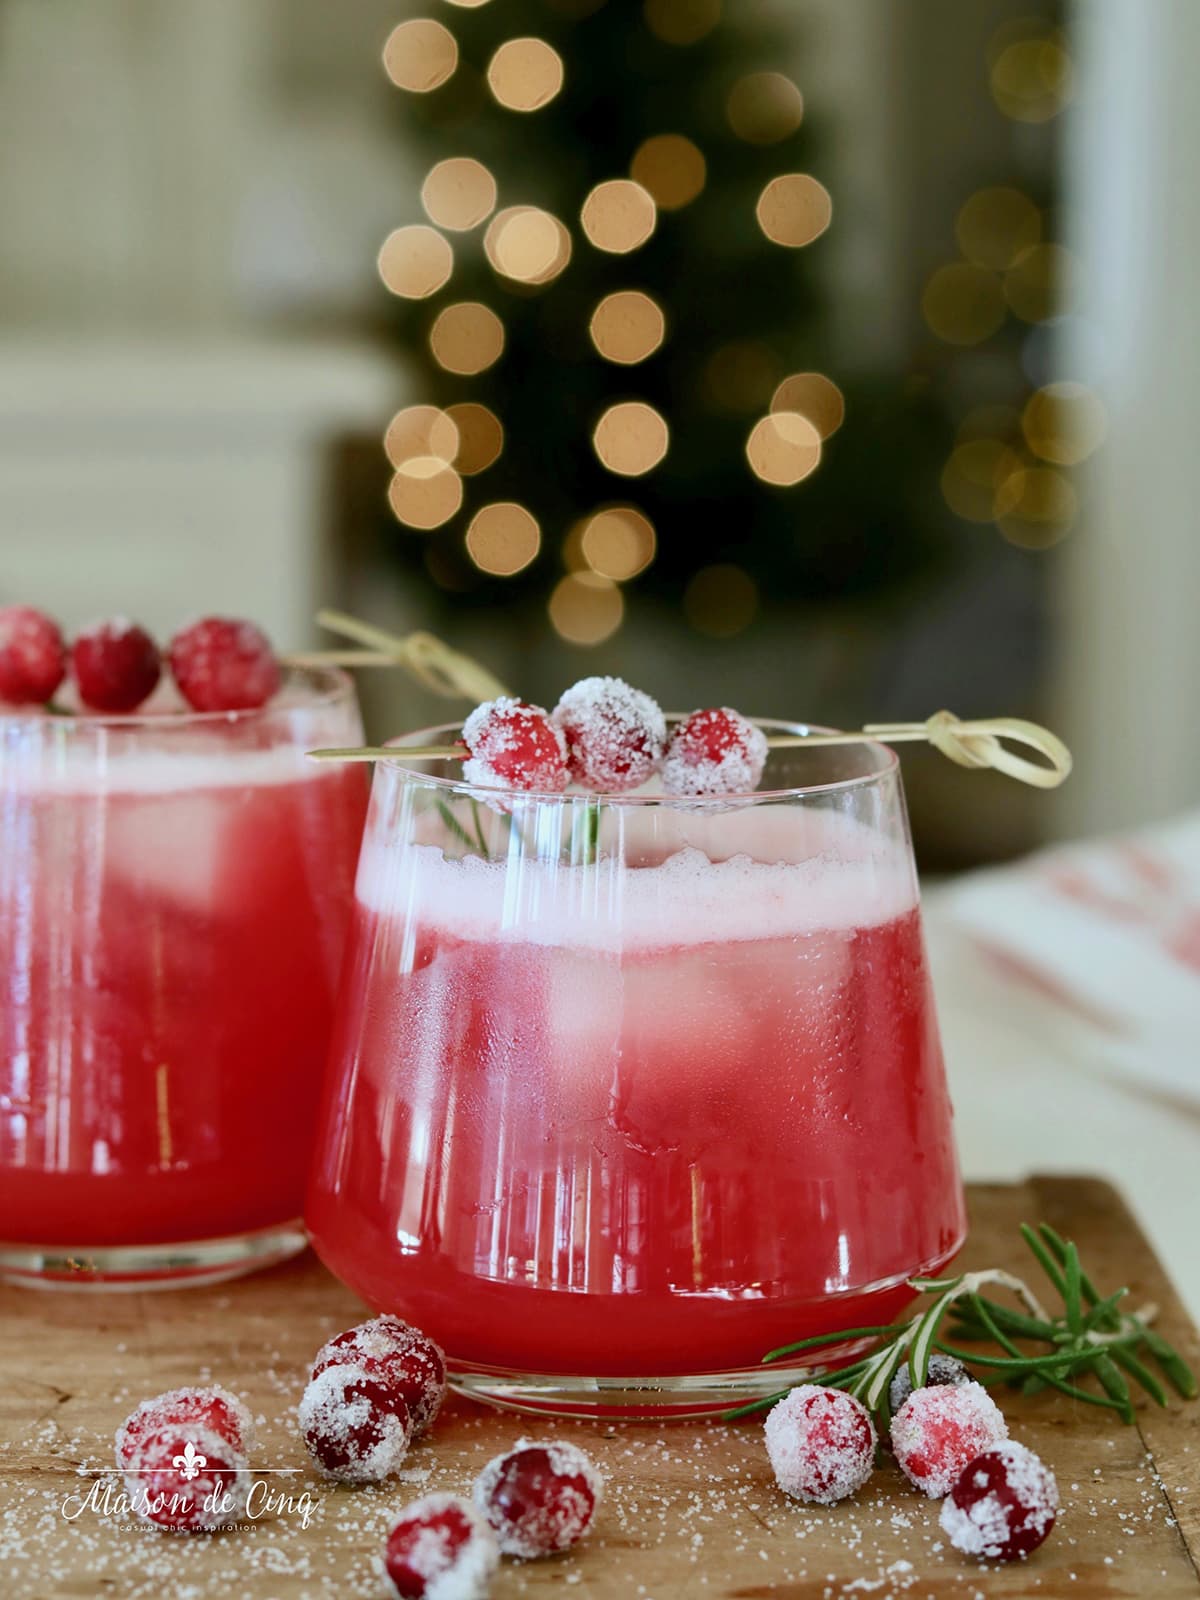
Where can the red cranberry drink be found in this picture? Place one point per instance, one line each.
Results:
(629, 1092)
(174, 890)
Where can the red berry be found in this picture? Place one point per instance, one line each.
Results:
(222, 664)
(1003, 1505)
(938, 1430)
(415, 1363)
(211, 1408)
(440, 1548)
(513, 745)
(717, 751)
(33, 658)
(355, 1423)
(615, 734)
(821, 1444)
(539, 1498)
(940, 1369)
(187, 1478)
(116, 665)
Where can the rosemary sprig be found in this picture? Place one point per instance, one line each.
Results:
(1090, 1337)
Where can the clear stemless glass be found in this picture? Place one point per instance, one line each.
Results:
(627, 1091)
(175, 889)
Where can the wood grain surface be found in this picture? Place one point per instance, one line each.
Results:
(691, 1510)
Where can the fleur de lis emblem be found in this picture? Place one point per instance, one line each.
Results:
(190, 1462)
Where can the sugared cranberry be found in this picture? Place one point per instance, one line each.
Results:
(539, 1498)
(941, 1371)
(416, 1364)
(1003, 1505)
(223, 664)
(211, 1408)
(821, 1444)
(615, 734)
(33, 658)
(717, 751)
(440, 1548)
(513, 745)
(356, 1424)
(186, 1477)
(116, 665)
(937, 1431)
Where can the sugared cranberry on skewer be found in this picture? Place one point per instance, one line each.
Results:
(615, 734)
(224, 664)
(513, 745)
(717, 751)
(116, 665)
(33, 657)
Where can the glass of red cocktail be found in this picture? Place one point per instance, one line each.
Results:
(174, 892)
(626, 1092)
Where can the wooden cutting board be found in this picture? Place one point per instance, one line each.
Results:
(691, 1509)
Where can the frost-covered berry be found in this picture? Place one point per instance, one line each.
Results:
(937, 1431)
(821, 1444)
(356, 1424)
(33, 658)
(513, 745)
(224, 664)
(441, 1548)
(940, 1372)
(416, 1364)
(615, 734)
(539, 1498)
(1003, 1505)
(186, 1477)
(211, 1408)
(717, 751)
(116, 665)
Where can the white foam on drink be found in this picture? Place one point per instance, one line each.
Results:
(828, 874)
(82, 772)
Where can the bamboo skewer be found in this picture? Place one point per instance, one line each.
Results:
(969, 744)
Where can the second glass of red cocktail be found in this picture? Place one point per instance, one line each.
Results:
(627, 1091)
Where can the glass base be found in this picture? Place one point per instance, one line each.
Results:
(150, 1266)
(703, 1396)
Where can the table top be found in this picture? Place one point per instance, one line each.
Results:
(690, 1509)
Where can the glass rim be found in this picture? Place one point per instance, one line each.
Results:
(331, 685)
(888, 763)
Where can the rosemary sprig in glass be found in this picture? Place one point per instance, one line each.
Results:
(1090, 1337)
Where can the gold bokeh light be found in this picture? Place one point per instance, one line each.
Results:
(671, 168)
(1041, 283)
(681, 21)
(995, 226)
(963, 304)
(1032, 79)
(627, 326)
(525, 74)
(794, 209)
(425, 492)
(618, 543)
(415, 261)
(814, 396)
(503, 538)
(631, 438)
(1064, 423)
(784, 448)
(458, 193)
(982, 480)
(527, 244)
(1044, 510)
(480, 436)
(467, 337)
(764, 107)
(421, 431)
(619, 215)
(420, 55)
(586, 608)
(721, 601)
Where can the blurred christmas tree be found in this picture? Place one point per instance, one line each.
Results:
(620, 364)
